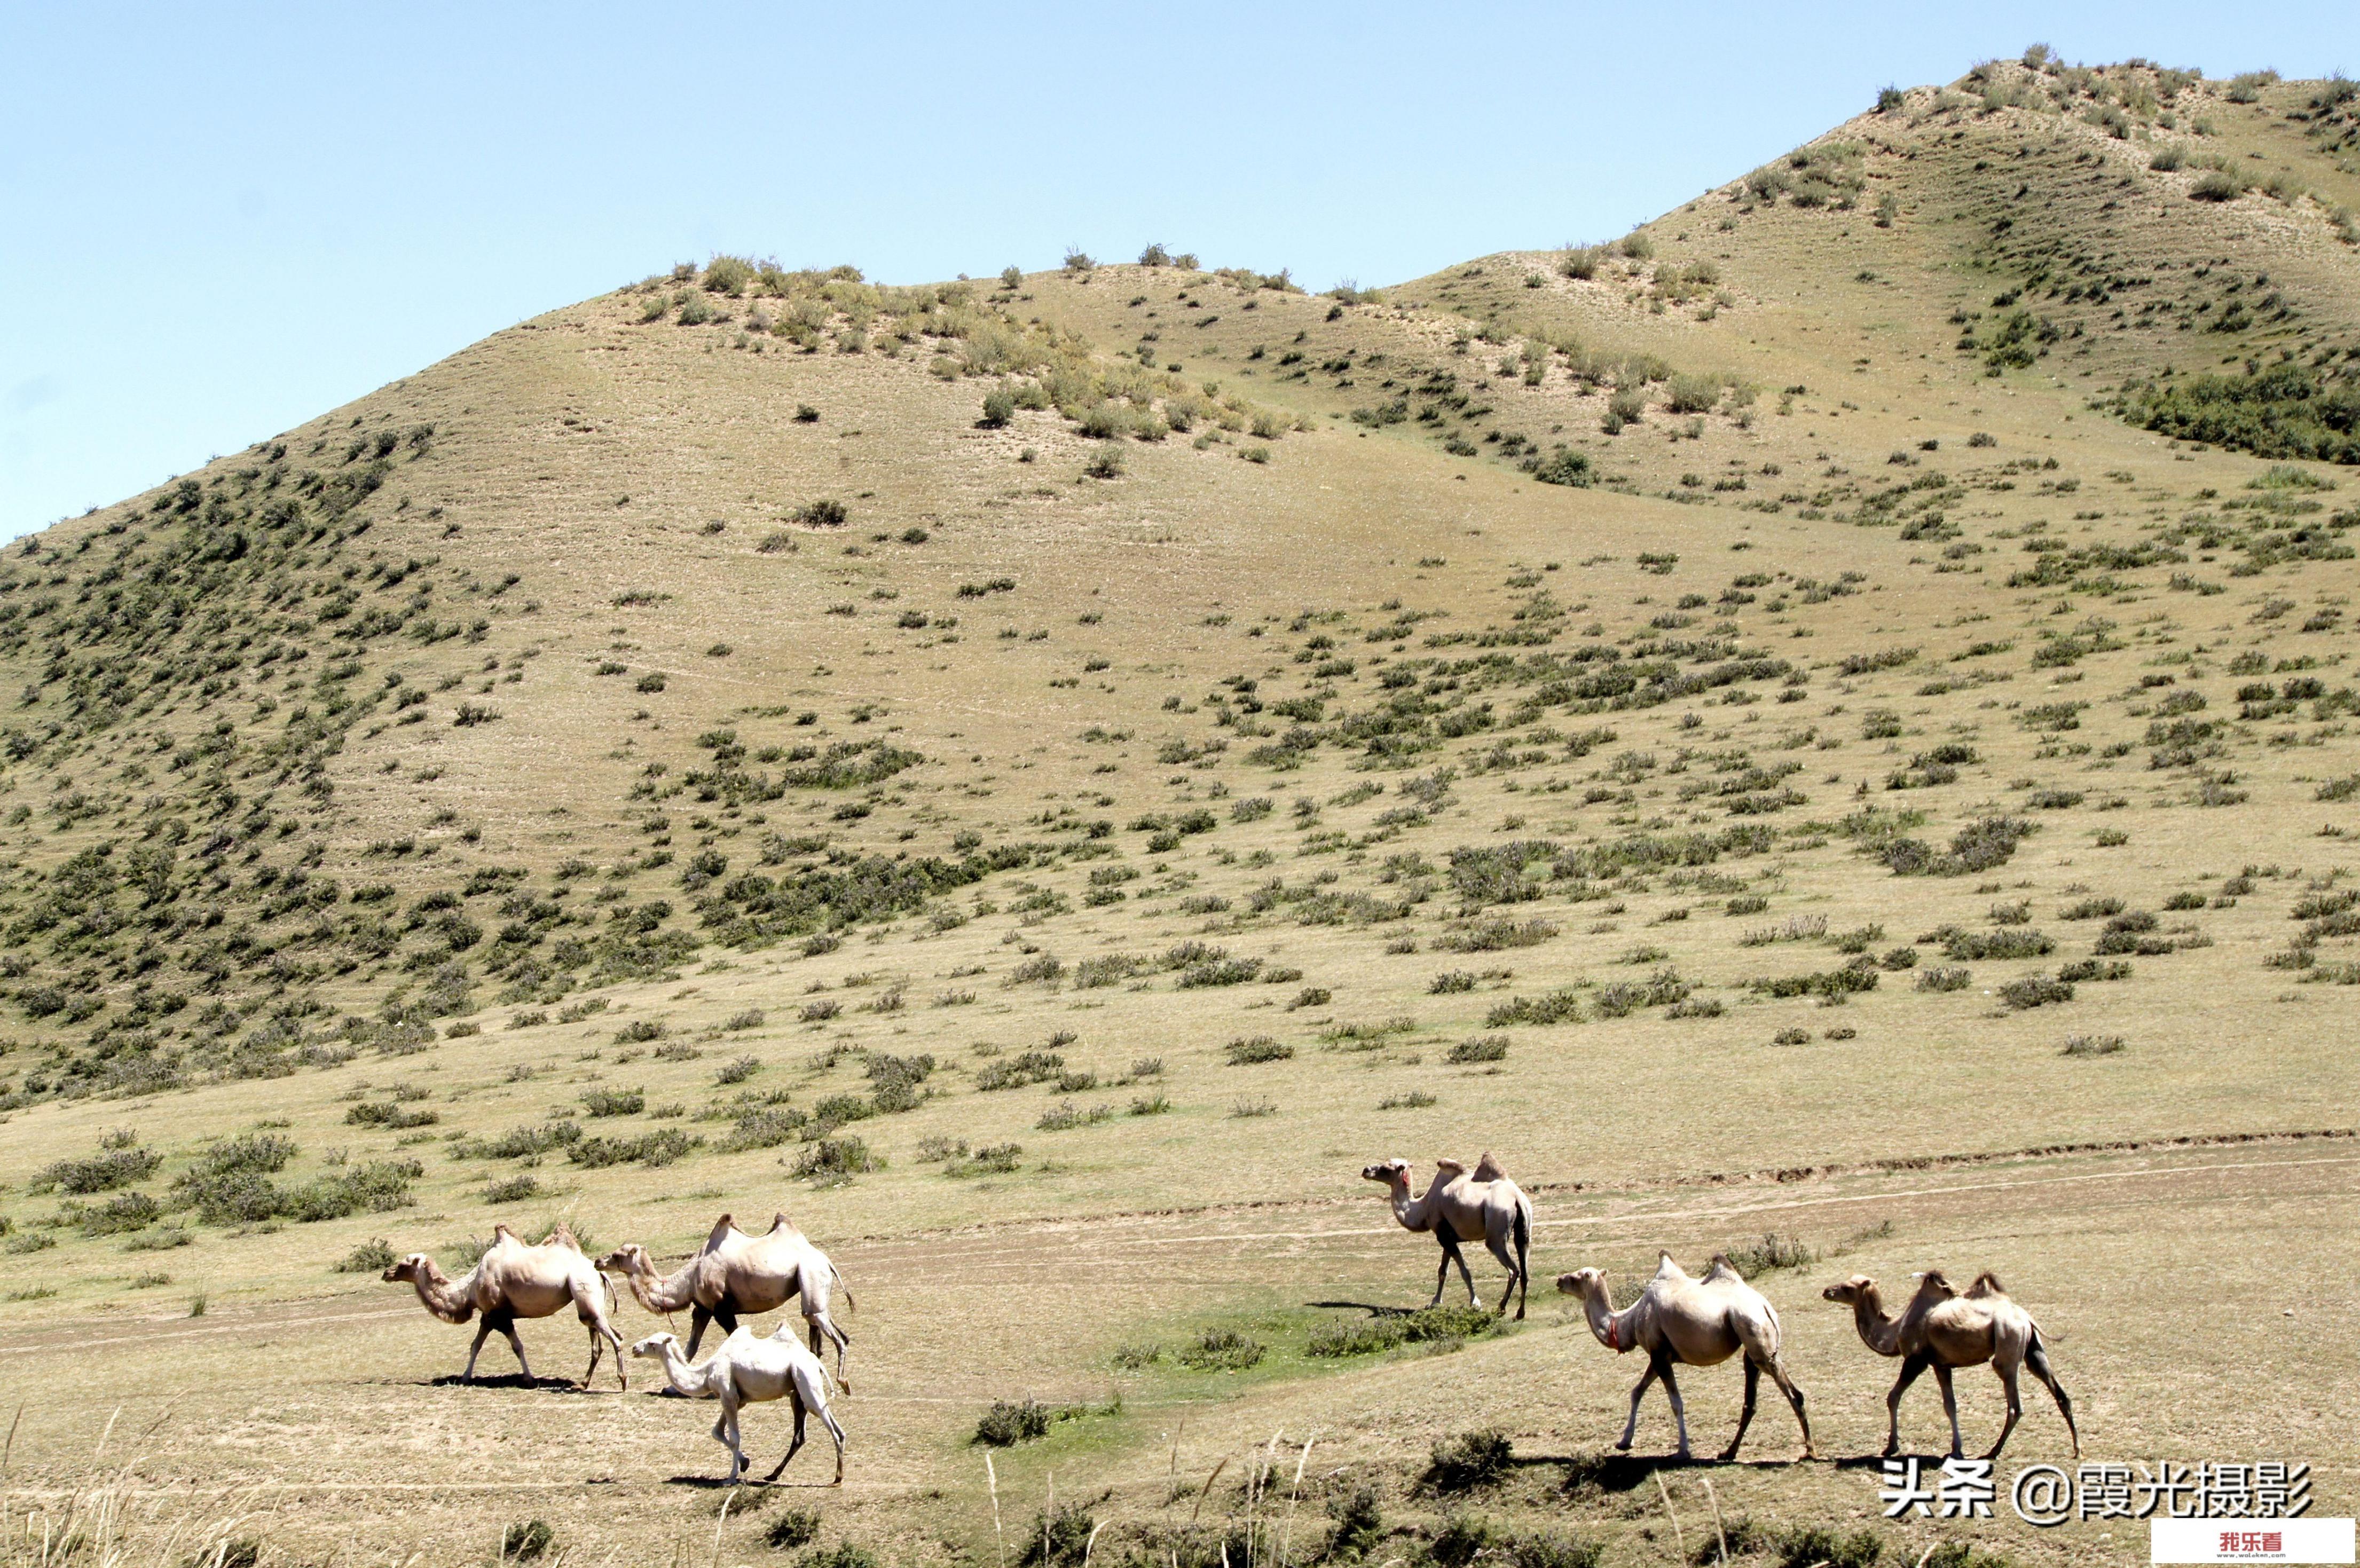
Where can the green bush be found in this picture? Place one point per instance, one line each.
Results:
(1220, 1350)
(998, 409)
(797, 1527)
(1006, 1424)
(524, 1542)
(1469, 1461)
(838, 1157)
(1481, 1048)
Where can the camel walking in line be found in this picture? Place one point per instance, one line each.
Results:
(513, 1280)
(735, 1275)
(748, 1371)
(1680, 1320)
(1456, 1206)
(1943, 1330)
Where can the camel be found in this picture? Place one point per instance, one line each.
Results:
(1943, 1330)
(747, 1371)
(513, 1280)
(1683, 1320)
(736, 1274)
(1486, 1206)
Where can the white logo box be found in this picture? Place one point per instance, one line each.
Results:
(2245, 1541)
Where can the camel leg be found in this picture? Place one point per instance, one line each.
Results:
(1911, 1366)
(725, 1431)
(1793, 1397)
(1950, 1409)
(821, 1324)
(1631, 1427)
(1441, 1275)
(593, 1318)
(2036, 1355)
(515, 1343)
(1499, 1248)
(828, 1419)
(483, 1332)
(1450, 1255)
(1679, 1411)
(1524, 1264)
(1744, 1411)
(2006, 1371)
(795, 1398)
(697, 1318)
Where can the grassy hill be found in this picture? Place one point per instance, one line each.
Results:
(1847, 679)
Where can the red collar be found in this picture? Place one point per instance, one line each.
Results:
(1614, 1334)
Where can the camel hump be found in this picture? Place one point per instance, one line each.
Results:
(500, 1231)
(563, 1235)
(1668, 1269)
(1450, 1167)
(779, 1222)
(1932, 1283)
(1488, 1168)
(721, 1229)
(1722, 1271)
(1986, 1284)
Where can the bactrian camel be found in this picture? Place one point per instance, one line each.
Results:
(1683, 1320)
(749, 1371)
(1456, 1206)
(512, 1281)
(1941, 1329)
(736, 1275)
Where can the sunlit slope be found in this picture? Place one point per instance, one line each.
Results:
(1142, 736)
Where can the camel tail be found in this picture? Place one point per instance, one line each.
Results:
(840, 1285)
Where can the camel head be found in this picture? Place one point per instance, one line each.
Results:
(1392, 1172)
(1849, 1291)
(415, 1269)
(1582, 1282)
(657, 1346)
(629, 1258)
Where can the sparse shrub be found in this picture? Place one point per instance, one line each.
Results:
(835, 1158)
(1246, 1050)
(374, 1256)
(1938, 978)
(794, 1528)
(2093, 1045)
(2035, 991)
(1771, 1252)
(526, 1541)
(1481, 1048)
(1006, 1424)
(1469, 1461)
(1220, 1350)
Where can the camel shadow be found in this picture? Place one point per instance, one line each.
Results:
(511, 1380)
(1372, 1308)
(1619, 1473)
(716, 1483)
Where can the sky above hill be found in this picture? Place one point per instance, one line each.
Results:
(223, 219)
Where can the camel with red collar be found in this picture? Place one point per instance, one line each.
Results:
(1683, 1320)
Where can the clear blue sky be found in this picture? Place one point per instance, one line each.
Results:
(218, 220)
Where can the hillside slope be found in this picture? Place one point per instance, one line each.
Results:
(695, 734)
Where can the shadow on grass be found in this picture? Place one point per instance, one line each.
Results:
(1617, 1473)
(511, 1380)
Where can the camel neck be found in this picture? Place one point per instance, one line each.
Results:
(1412, 1212)
(1879, 1332)
(1603, 1323)
(445, 1299)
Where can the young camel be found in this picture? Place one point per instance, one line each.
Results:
(1680, 1320)
(512, 1281)
(736, 1274)
(1944, 1330)
(1486, 1206)
(747, 1371)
